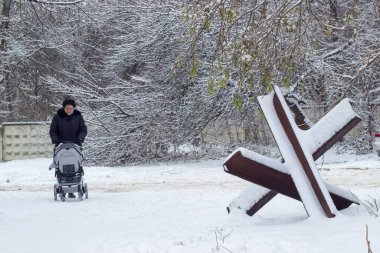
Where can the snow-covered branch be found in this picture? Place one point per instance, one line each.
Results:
(56, 2)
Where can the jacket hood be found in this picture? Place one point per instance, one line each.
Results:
(62, 113)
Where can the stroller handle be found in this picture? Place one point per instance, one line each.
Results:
(63, 145)
(68, 142)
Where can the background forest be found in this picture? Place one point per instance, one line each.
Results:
(158, 78)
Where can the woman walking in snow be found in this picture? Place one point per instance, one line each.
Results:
(68, 126)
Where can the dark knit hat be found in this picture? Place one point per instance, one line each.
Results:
(69, 101)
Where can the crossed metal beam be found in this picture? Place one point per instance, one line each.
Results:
(297, 177)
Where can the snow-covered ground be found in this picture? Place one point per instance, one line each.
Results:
(179, 208)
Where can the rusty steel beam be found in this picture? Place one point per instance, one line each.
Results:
(272, 179)
(301, 155)
(280, 182)
(336, 137)
(340, 202)
(260, 203)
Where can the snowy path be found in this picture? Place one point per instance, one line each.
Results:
(33, 175)
(175, 208)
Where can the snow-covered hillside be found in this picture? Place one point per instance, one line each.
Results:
(178, 208)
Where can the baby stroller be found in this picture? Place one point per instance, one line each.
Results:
(68, 160)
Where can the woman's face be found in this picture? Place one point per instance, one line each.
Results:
(69, 109)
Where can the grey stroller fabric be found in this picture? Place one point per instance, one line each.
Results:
(68, 157)
(68, 163)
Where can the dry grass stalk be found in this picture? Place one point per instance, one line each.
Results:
(366, 237)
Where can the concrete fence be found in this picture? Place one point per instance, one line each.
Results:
(25, 140)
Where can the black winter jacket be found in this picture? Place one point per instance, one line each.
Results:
(66, 128)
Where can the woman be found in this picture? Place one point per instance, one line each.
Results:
(68, 126)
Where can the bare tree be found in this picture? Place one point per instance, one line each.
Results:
(132, 101)
(319, 50)
(34, 35)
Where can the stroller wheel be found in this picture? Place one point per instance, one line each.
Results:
(55, 192)
(86, 190)
(80, 193)
(62, 195)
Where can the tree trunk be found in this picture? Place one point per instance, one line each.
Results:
(4, 27)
